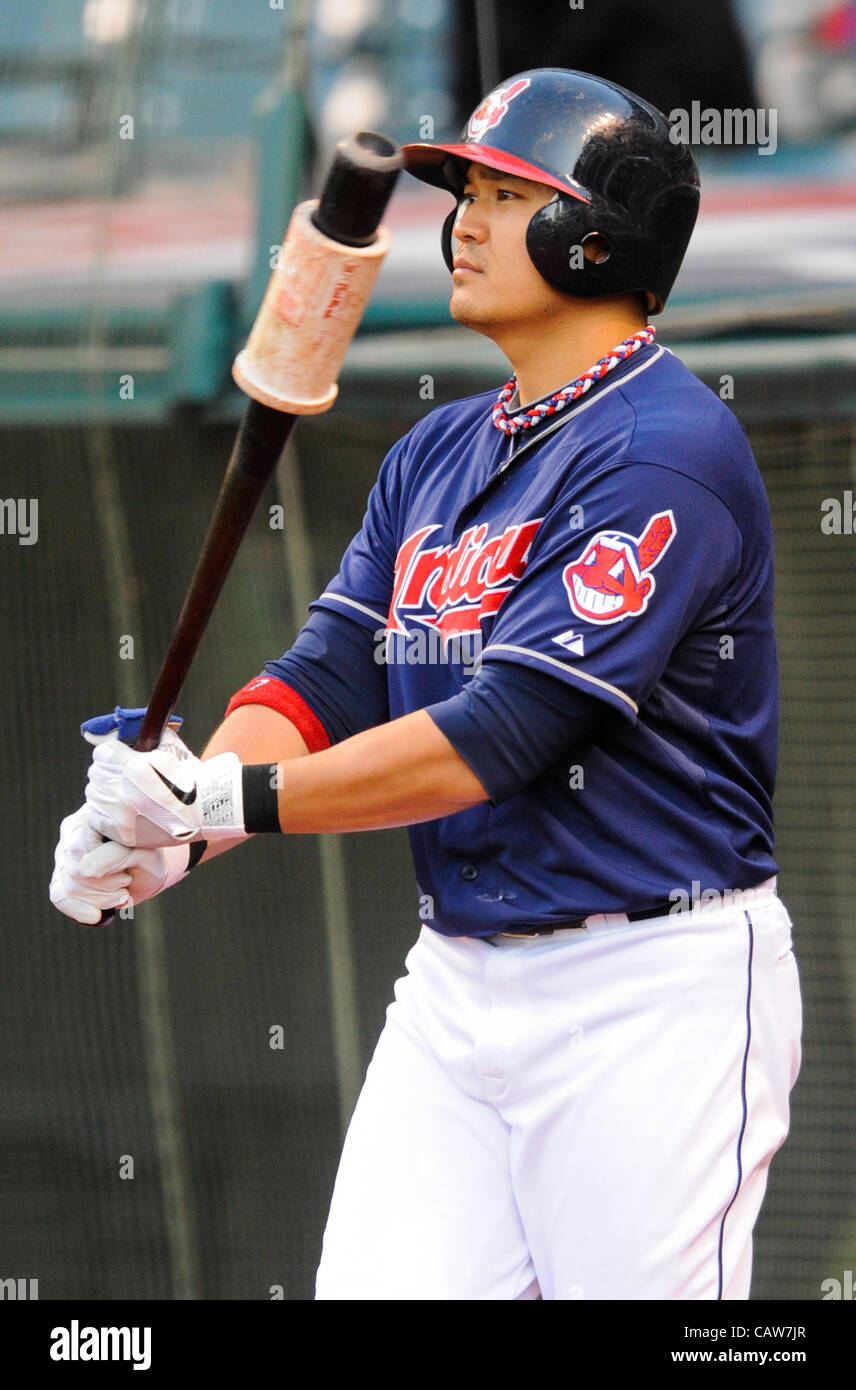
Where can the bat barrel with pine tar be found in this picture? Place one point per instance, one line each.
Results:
(316, 296)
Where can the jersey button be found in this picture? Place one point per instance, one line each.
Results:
(469, 872)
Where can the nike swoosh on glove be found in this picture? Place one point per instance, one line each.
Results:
(157, 799)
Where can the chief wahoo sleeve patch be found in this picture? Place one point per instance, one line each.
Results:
(611, 579)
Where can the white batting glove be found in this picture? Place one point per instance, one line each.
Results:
(159, 798)
(92, 875)
(79, 895)
(151, 870)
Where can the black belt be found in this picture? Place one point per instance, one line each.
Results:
(659, 910)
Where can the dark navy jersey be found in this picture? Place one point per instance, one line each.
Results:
(624, 549)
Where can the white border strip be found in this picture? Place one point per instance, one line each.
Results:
(563, 666)
(352, 603)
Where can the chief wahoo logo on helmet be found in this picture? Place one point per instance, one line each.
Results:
(610, 580)
(495, 105)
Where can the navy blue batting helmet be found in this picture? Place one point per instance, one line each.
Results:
(618, 173)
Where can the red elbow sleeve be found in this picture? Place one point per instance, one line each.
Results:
(268, 690)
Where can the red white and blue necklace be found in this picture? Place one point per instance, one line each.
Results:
(534, 414)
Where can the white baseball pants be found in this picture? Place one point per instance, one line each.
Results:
(589, 1115)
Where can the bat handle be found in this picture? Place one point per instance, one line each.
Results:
(260, 440)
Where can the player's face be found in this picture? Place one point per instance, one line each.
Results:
(494, 283)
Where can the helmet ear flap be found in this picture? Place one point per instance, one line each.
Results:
(554, 240)
(584, 250)
(446, 238)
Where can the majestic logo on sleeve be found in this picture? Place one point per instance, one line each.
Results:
(611, 579)
(451, 588)
(493, 108)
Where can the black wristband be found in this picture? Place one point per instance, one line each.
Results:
(261, 808)
(197, 849)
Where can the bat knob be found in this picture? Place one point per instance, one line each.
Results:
(358, 188)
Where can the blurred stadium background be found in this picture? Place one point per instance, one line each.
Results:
(130, 271)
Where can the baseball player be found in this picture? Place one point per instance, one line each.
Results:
(548, 651)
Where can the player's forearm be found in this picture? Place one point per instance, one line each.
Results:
(397, 773)
(400, 773)
(257, 734)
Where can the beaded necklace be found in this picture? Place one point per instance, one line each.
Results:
(513, 424)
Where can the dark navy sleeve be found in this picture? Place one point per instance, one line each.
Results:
(333, 667)
(619, 571)
(511, 723)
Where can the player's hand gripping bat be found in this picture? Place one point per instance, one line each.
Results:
(316, 295)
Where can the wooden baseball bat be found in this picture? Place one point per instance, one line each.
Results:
(316, 295)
